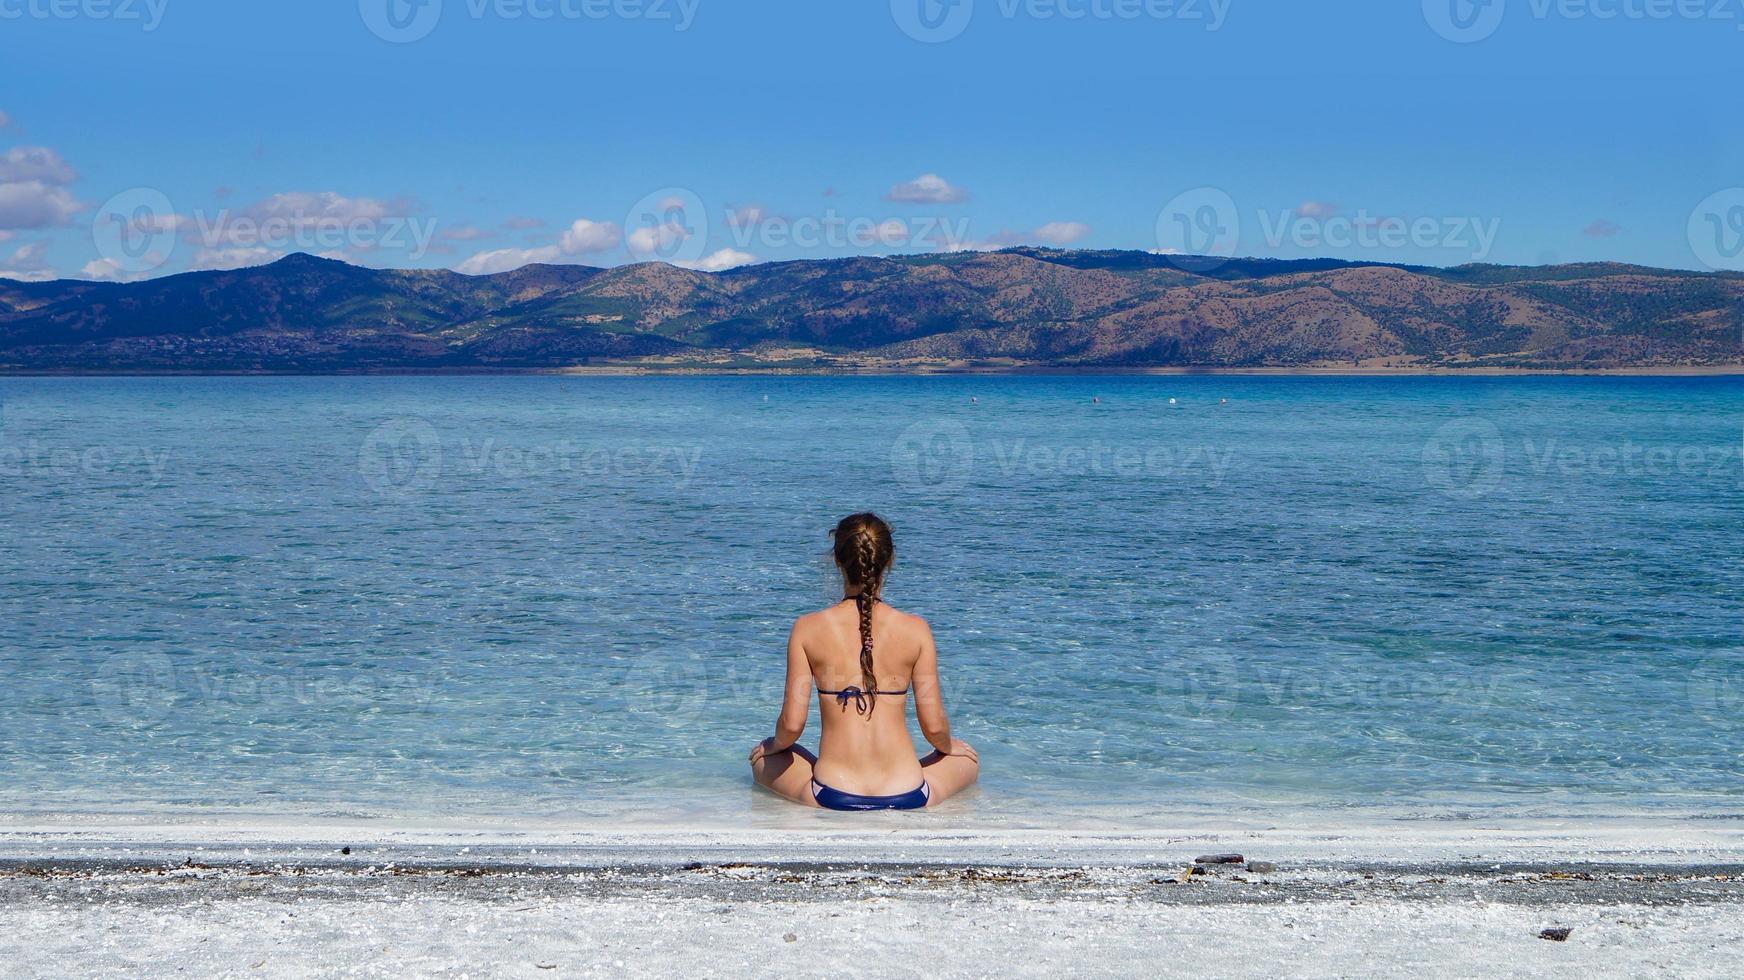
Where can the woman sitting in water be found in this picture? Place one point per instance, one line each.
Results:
(865, 758)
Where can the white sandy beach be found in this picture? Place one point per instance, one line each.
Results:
(1443, 900)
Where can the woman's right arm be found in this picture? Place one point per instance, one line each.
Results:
(929, 702)
(796, 698)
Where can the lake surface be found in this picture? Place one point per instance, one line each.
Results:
(565, 599)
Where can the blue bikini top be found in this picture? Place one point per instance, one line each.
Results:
(857, 697)
(853, 695)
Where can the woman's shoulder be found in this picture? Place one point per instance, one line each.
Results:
(906, 620)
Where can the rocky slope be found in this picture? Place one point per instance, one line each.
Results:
(1028, 306)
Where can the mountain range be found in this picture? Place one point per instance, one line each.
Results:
(1019, 307)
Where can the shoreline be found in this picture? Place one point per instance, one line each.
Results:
(845, 909)
(880, 838)
(962, 370)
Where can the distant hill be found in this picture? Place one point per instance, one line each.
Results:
(1016, 307)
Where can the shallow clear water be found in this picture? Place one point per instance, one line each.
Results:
(565, 598)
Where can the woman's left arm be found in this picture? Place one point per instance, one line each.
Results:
(796, 703)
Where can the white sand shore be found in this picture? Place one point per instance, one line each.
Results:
(879, 837)
(867, 900)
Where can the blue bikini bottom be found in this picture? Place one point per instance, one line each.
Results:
(835, 799)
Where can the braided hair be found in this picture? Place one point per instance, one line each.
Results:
(864, 551)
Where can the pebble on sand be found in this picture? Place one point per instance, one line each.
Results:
(1261, 867)
(1557, 935)
(1218, 859)
(790, 938)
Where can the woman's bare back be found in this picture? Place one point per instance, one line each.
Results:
(866, 747)
(861, 661)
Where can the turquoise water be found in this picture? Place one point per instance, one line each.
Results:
(566, 598)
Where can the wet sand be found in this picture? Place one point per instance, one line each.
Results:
(867, 904)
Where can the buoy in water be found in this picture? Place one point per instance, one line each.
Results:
(1171, 401)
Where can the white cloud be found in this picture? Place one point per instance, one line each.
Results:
(655, 239)
(747, 216)
(34, 204)
(27, 263)
(890, 233)
(952, 245)
(32, 191)
(466, 233)
(1316, 209)
(324, 206)
(584, 236)
(39, 163)
(30, 254)
(521, 223)
(33, 275)
(222, 259)
(305, 218)
(721, 261)
(507, 260)
(108, 270)
(1060, 232)
(1056, 233)
(5, 120)
(927, 189)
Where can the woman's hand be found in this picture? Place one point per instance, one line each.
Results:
(964, 749)
(764, 749)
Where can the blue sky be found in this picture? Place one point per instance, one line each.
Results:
(145, 137)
